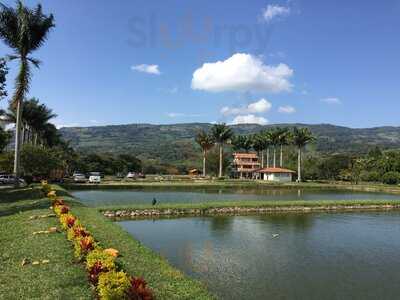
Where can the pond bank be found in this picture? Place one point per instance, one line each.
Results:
(244, 208)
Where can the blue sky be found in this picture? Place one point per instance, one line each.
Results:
(220, 61)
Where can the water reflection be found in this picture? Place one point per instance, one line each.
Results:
(314, 256)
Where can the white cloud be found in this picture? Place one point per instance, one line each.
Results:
(150, 69)
(242, 72)
(259, 106)
(286, 109)
(274, 11)
(94, 121)
(331, 100)
(249, 119)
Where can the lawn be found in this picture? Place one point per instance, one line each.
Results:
(62, 277)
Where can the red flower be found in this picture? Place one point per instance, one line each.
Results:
(58, 202)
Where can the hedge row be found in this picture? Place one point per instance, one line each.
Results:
(109, 282)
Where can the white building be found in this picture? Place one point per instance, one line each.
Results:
(276, 174)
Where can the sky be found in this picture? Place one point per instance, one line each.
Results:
(242, 61)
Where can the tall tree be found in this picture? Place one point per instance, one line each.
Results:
(284, 140)
(206, 142)
(301, 137)
(221, 134)
(274, 136)
(3, 74)
(260, 144)
(24, 30)
(242, 142)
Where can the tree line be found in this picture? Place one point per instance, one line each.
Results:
(274, 139)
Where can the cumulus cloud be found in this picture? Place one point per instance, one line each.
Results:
(149, 69)
(274, 11)
(242, 72)
(331, 100)
(286, 109)
(249, 119)
(257, 107)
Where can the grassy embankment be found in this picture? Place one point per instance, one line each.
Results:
(61, 277)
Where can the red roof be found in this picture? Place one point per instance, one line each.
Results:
(274, 170)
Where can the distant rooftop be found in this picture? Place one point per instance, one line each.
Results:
(274, 170)
(245, 155)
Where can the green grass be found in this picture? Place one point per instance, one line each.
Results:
(270, 204)
(63, 278)
(59, 279)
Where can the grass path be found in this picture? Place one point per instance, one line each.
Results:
(61, 278)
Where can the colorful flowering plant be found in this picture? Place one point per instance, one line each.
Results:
(67, 220)
(77, 232)
(57, 202)
(83, 246)
(97, 261)
(100, 264)
(138, 290)
(113, 285)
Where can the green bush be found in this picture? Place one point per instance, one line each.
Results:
(113, 285)
(98, 255)
(391, 178)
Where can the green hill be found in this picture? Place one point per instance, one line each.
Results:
(175, 143)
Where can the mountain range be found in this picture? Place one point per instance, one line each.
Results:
(175, 142)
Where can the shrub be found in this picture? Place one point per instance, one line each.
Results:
(98, 255)
(84, 245)
(67, 220)
(113, 285)
(391, 178)
(138, 290)
(77, 232)
(97, 261)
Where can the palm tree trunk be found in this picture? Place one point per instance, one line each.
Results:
(204, 163)
(262, 158)
(17, 142)
(274, 157)
(281, 158)
(220, 160)
(267, 157)
(299, 165)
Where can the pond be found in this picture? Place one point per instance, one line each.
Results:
(192, 195)
(292, 256)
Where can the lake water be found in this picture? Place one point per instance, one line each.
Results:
(187, 195)
(292, 256)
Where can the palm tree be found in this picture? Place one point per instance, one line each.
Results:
(24, 30)
(242, 142)
(274, 139)
(221, 134)
(206, 142)
(284, 140)
(301, 137)
(260, 144)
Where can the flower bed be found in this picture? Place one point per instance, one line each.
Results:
(108, 280)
